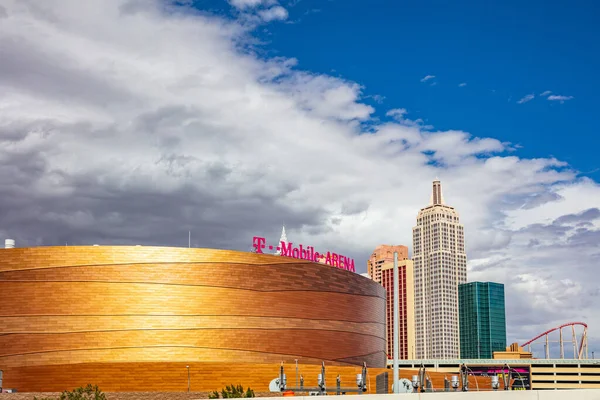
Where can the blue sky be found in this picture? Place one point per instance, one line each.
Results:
(503, 52)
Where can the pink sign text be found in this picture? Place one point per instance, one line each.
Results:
(306, 253)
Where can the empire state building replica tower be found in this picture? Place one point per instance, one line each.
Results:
(440, 265)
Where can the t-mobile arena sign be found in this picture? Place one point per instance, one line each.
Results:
(305, 253)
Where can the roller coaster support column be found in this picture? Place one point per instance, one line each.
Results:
(562, 347)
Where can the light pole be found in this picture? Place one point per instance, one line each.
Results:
(296, 372)
(188, 371)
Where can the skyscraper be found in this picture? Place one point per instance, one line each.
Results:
(440, 266)
(383, 254)
(406, 305)
(482, 319)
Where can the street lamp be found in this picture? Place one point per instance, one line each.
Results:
(188, 371)
(506, 376)
(464, 374)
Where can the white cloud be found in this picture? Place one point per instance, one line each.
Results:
(463, 84)
(245, 4)
(527, 98)
(273, 13)
(265, 10)
(398, 115)
(546, 93)
(428, 77)
(124, 124)
(562, 99)
(377, 98)
(397, 112)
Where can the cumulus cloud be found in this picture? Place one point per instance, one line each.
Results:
(428, 77)
(527, 98)
(122, 124)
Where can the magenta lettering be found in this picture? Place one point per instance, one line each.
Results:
(258, 243)
(306, 253)
(286, 251)
(351, 264)
(303, 253)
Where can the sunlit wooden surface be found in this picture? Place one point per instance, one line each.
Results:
(118, 307)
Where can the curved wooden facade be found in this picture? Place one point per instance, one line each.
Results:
(204, 377)
(122, 305)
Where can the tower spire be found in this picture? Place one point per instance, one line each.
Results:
(283, 239)
(436, 196)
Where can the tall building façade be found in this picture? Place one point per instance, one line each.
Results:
(406, 308)
(383, 254)
(482, 319)
(440, 265)
(380, 268)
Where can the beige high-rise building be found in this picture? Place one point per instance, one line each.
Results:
(406, 308)
(381, 255)
(440, 265)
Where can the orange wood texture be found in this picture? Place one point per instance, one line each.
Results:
(131, 304)
(172, 377)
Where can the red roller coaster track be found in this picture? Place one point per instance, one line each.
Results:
(580, 351)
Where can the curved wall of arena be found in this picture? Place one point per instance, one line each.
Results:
(125, 304)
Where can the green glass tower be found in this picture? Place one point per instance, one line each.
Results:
(482, 319)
